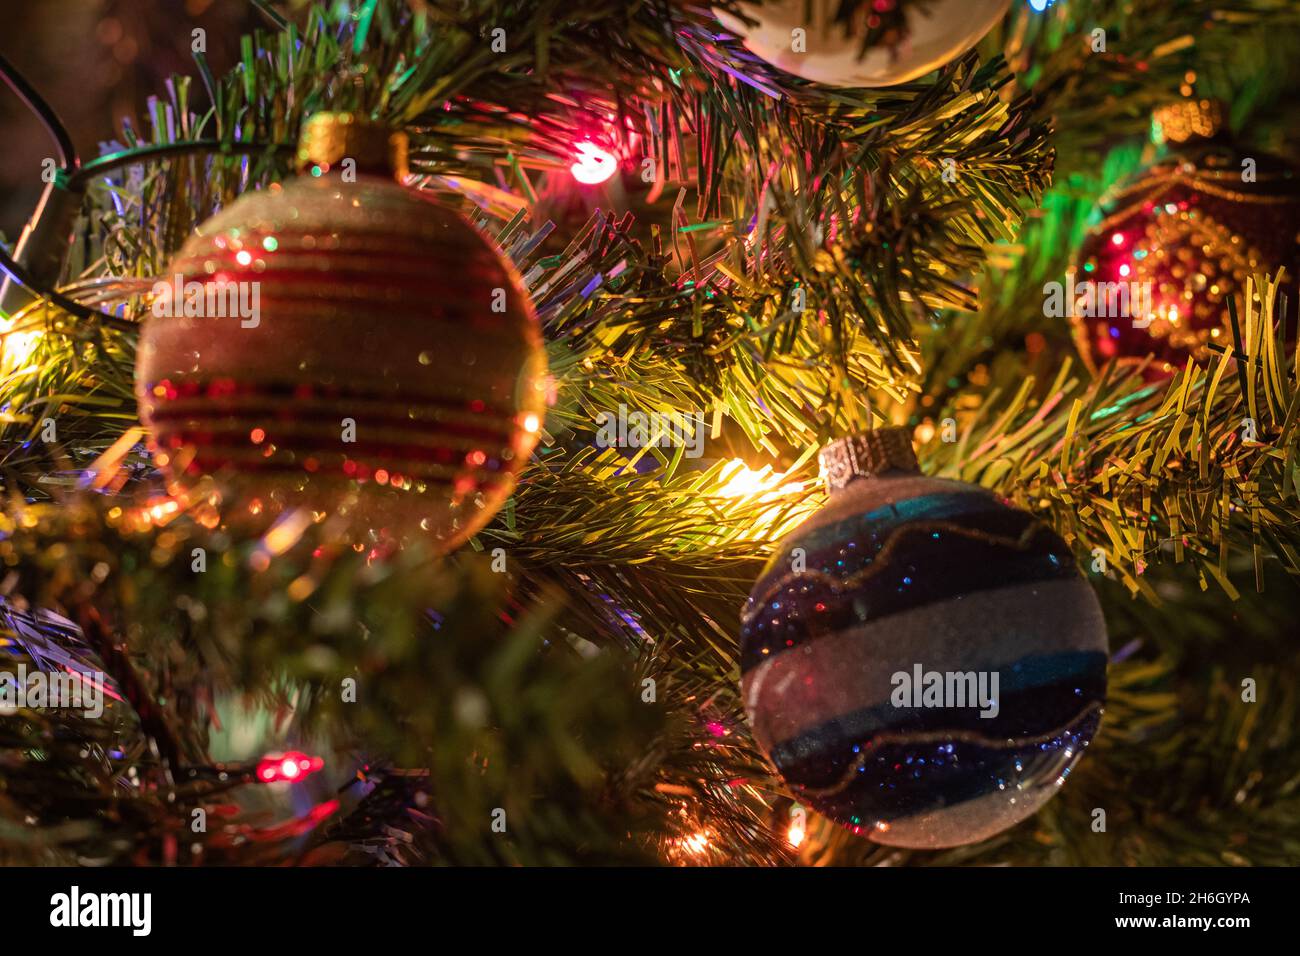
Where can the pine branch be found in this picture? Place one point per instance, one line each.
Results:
(1142, 474)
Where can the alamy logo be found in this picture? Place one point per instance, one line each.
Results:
(72, 909)
(55, 689)
(1088, 299)
(215, 299)
(659, 429)
(922, 688)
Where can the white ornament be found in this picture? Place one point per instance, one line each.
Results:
(819, 49)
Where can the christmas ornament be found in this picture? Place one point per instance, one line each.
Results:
(878, 42)
(345, 345)
(921, 661)
(1177, 243)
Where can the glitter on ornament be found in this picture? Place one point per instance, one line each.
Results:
(393, 381)
(900, 571)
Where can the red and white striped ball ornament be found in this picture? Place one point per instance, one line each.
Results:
(346, 346)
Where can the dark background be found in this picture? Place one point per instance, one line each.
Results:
(95, 61)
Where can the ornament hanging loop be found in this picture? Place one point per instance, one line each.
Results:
(327, 139)
(1188, 120)
(864, 455)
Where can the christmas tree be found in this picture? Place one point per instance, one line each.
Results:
(492, 432)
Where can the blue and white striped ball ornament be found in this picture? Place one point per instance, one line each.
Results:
(922, 662)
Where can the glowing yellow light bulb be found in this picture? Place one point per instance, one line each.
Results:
(742, 481)
(696, 843)
(798, 830)
(16, 347)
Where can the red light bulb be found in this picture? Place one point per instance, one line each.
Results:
(594, 165)
(290, 767)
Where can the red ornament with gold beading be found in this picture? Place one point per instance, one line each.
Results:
(1186, 234)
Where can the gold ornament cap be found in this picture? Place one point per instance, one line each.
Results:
(1188, 119)
(327, 139)
(870, 453)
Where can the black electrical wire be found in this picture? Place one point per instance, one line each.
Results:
(270, 13)
(132, 157)
(70, 164)
(24, 279)
(78, 176)
(68, 160)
